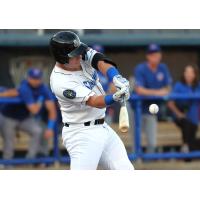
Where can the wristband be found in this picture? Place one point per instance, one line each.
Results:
(109, 99)
(111, 72)
(51, 124)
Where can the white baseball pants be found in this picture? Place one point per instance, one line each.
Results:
(89, 146)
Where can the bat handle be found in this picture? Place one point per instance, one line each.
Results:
(123, 103)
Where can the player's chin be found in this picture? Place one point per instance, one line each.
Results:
(76, 63)
(76, 59)
(73, 66)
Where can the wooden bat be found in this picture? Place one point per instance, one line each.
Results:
(123, 118)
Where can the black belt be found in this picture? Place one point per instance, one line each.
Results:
(96, 122)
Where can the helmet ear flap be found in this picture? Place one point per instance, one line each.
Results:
(58, 56)
(63, 59)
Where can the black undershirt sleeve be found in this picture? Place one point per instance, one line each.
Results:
(101, 57)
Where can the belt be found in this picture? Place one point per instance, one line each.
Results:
(96, 122)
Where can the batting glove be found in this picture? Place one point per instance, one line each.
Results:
(120, 82)
(122, 94)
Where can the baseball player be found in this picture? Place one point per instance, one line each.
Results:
(75, 83)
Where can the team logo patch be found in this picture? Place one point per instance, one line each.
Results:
(70, 94)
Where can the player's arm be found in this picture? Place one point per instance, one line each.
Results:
(107, 67)
(103, 101)
(50, 104)
(34, 108)
(142, 90)
(52, 116)
(112, 74)
(51, 108)
(27, 98)
(172, 106)
(9, 93)
(78, 94)
(154, 92)
(97, 101)
(104, 67)
(112, 89)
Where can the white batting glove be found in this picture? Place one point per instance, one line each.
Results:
(120, 82)
(122, 94)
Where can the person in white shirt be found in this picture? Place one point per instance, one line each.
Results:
(75, 83)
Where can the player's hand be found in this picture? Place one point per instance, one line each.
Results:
(122, 94)
(48, 134)
(120, 82)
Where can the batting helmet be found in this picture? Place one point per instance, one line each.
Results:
(65, 45)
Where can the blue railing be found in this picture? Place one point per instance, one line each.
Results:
(137, 151)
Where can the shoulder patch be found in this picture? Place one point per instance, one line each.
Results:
(70, 94)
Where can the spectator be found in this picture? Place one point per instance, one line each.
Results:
(33, 94)
(186, 112)
(151, 78)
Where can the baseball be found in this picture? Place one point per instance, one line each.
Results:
(153, 108)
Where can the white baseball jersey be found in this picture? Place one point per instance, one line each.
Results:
(73, 89)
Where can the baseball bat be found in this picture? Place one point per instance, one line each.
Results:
(123, 118)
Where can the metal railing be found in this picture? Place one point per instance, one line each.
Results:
(137, 151)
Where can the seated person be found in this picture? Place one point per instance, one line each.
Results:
(186, 112)
(33, 93)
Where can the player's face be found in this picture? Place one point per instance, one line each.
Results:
(189, 74)
(154, 58)
(75, 61)
(34, 82)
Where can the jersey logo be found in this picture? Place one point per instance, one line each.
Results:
(89, 84)
(94, 76)
(70, 94)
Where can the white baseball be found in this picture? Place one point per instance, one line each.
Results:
(153, 108)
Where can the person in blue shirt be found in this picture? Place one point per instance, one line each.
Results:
(152, 78)
(186, 112)
(34, 95)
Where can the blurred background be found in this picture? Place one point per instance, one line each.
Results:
(158, 63)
